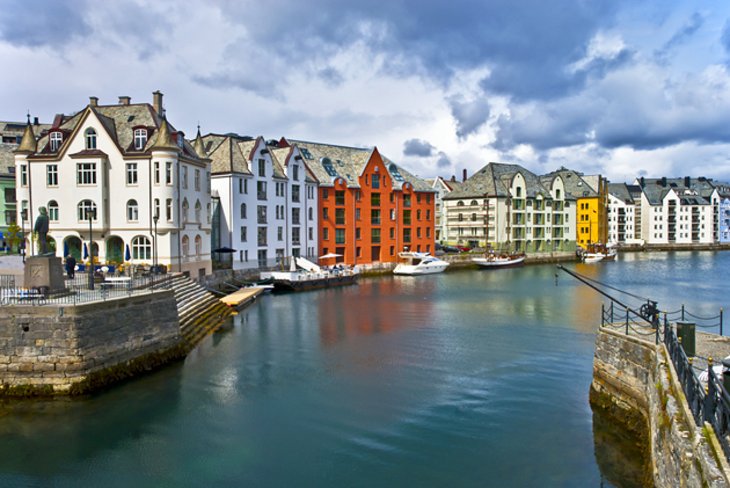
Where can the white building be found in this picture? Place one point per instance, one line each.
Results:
(122, 177)
(443, 187)
(624, 206)
(267, 207)
(677, 211)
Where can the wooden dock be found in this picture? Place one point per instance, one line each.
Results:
(242, 297)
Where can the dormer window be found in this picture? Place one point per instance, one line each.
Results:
(140, 139)
(90, 138)
(180, 139)
(56, 140)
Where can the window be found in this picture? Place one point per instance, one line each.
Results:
(157, 173)
(86, 208)
(375, 199)
(198, 246)
(168, 173)
(406, 200)
(340, 216)
(280, 233)
(406, 217)
(311, 213)
(90, 138)
(261, 190)
(295, 216)
(240, 185)
(262, 167)
(295, 235)
(207, 213)
(140, 139)
(295, 171)
(243, 210)
(295, 193)
(168, 209)
(185, 246)
(244, 236)
(375, 217)
(325, 213)
(185, 177)
(406, 235)
(261, 214)
(56, 140)
(375, 236)
(52, 175)
(325, 234)
(376, 181)
(23, 175)
(357, 214)
(339, 197)
(141, 248)
(197, 180)
(132, 174)
(156, 213)
(339, 236)
(262, 242)
(185, 208)
(132, 211)
(53, 211)
(198, 210)
(245, 187)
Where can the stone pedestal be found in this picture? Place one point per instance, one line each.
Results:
(44, 272)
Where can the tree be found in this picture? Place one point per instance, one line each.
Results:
(14, 235)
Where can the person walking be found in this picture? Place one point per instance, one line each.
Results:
(70, 267)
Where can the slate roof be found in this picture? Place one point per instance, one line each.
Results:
(575, 183)
(329, 161)
(494, 180)
(696, 193)
(228, 154)
(621, 191)
(14, 129)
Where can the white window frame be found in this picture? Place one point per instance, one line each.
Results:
(90, 138)
(132, 211)
(56, 139)
(132, 174)
(140, 139)
(85, 174)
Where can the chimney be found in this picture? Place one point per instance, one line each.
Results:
(687, 181)
(641, 182)
(94, 101)
(463, 178)
(157, 102)
(124, 100)
(664, 181)
(453, 178)
(35, 121)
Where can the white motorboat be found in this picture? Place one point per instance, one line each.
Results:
(593, 257)
(494, 260)
(418, 263)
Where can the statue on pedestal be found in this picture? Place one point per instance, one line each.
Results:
(41, 228)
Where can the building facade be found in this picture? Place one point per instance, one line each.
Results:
(268, 202)
(507, 207)
(119, 182)
(370, 208)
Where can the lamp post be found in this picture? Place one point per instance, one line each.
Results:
(154, 245)
(23, 218)
(91, 215)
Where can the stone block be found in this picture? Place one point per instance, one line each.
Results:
(44, 272)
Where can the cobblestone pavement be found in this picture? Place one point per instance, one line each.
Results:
(710, 346)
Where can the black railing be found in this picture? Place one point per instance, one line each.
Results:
(711, 405)
(77, 290)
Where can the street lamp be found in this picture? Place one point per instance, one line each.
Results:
(23, 218)
(91, 215)
(154, 244)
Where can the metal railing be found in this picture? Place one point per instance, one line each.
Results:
(708, 404)
(77, 290)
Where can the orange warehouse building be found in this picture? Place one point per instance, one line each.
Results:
(370, 208)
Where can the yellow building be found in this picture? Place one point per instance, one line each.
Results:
(591, 213)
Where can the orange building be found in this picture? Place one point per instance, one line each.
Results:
(370, 208)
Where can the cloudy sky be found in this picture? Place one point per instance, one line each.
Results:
(621, 88)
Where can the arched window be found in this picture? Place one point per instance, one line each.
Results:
(141, 248)
(84, 207)
(140, 139)
(243, 210)
(90, 138)
(185, 208)
(474, 203)
(198, 209)
(56, 140)
(198, 246)
(132, 211)
(185, 246)
(459, 203)
(53, 211)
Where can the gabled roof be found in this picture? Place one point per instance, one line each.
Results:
(621, 191)
(494, 180)
(656, 189)
(329, 161)
(575, 184)
(228, 154)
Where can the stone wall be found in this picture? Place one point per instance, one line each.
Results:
(71, 349)
(636, 384)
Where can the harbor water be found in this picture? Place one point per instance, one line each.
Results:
(468, 378)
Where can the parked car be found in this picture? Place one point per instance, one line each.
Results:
(463, 248)
(451, 249)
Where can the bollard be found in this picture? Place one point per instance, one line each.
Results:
(686, 333)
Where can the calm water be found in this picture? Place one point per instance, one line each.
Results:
(475, 378)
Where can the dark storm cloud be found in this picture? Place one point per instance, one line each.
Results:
(417, 147)
(35, 23)
(469, 115)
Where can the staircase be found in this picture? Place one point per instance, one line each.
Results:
(199, 311)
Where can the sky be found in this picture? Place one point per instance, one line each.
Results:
(611, 87)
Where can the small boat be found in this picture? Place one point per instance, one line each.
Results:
(419, 263)
(598, 252)
(591, 257)
(494, 260)
(305, 275)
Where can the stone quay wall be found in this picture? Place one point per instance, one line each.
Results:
(635, 382)
(51, 349)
